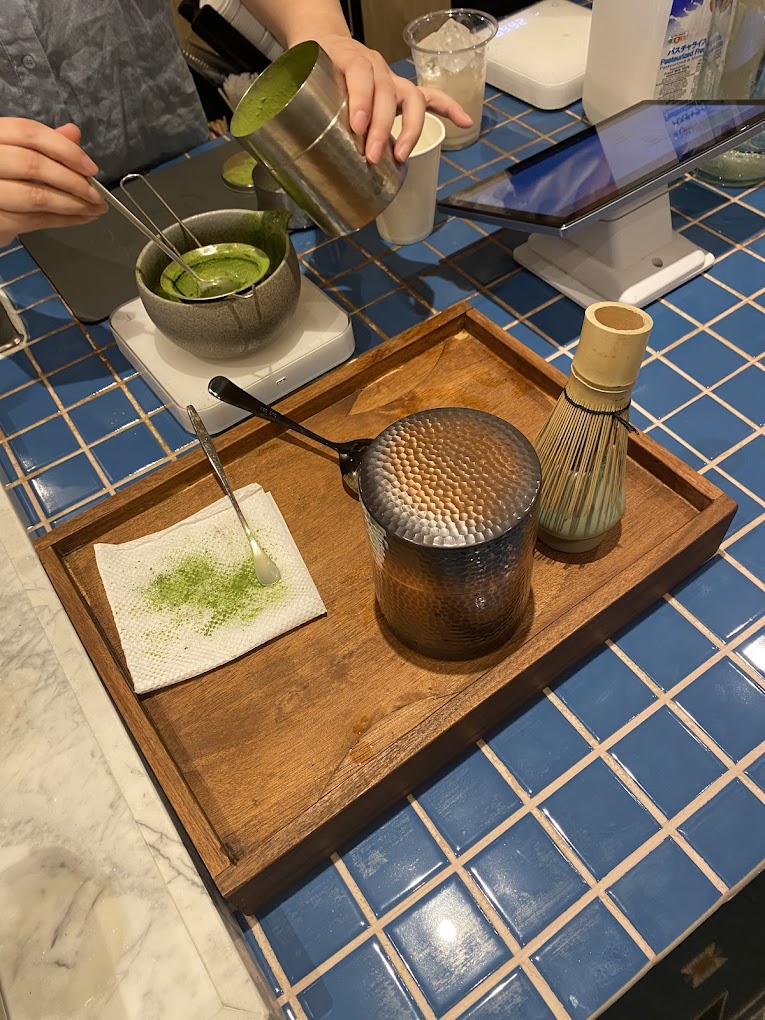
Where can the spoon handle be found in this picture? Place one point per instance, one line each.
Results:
(266, 570)
(230, 393)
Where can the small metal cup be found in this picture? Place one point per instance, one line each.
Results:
(294, 119)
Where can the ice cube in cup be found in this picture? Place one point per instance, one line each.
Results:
(450, 50)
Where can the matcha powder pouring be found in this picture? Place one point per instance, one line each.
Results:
(217, 594)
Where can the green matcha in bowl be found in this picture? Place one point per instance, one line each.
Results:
(242, 263)
(231, 326)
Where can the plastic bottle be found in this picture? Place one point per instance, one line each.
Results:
(643, 49)
(734, 68)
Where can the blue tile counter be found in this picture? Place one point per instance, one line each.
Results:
(545, 869)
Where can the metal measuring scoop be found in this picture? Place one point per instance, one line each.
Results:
(216, 287)
(349, 453)
(266, 570)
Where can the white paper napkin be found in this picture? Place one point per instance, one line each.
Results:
(186, 599)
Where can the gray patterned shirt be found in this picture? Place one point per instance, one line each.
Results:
(113, 67)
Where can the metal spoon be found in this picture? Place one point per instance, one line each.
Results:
(214, 288)
(349, 454)
(266, 570)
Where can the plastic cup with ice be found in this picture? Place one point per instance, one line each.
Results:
(450, 49)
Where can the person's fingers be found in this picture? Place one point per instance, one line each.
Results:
(360, 80)
(412, 104)
(383, 112)
(440, 103)
(35, 198)
(29, 134)
(31, 167)
(72, 132)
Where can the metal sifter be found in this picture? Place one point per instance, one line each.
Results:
(450, 504)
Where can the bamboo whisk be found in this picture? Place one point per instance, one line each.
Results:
(583, 444)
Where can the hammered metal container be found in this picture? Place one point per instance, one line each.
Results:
(450, 505)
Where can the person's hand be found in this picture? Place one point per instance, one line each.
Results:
(376, 95)
(43, 178)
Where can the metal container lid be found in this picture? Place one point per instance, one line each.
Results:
(449, 477)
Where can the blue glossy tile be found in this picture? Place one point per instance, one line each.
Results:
(25, 407)
(66, 483)
(23, 504)
(702, 299)
(147, 399)
(750, 551)
(454, 235)
(752, 650)
(599, 818)
(514, 998)
(664, 895)
(664, 644)
(311, 922)
(489, 170)
(677, 219)
(7, 470)
(80, 381)
(98, 417)
(128, 452)
(171, 432)
(15, 370)
(339, 256)
(100, 333)
(411, 260)
(59, 349)
(252, 944)
(44, 444)
(729, 706)
(46, 317)
(16, 263)
(675, 446)
(477, 154)
(405, 68)
(705, 359)
(491, 118)
(71, 514)
(443, 287)
(748, 508)
(364, 984)
(729, 832)
(660, 389)
(364, 285)
(468, 799)
(508, 104)
(746, 392)
(448, 944)
(709, 427)
(523, 292)
(512, 136)
(561, 321)
(485, 264)
(547, 121)
(707, 240)
(365, 335)
(369, 240)
(756, 771)
(393, 858)
(736, 222)
(603, 692)
(497, 313)
(668, 325)
(538, 744)
(447, 172)
(397, 312)
(527, 878)
(589, 960)
(741, 272)
(694, 199)
(744, 327)
(305, 240)
(721, 597)
(747, 466)
(540, 345)
(29, 290)
(668, 762)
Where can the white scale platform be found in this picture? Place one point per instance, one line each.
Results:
(318, 337)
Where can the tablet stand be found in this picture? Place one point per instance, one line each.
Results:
(633, 256)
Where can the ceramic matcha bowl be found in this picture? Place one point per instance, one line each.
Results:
(231, 326)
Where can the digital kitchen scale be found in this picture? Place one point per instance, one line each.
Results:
(318, 337)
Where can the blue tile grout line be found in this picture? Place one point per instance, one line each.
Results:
(560, 834)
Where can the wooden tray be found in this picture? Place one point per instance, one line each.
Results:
(274, 759)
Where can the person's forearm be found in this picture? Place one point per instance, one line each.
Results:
(293, 21)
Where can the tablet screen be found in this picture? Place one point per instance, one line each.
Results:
(648, 142)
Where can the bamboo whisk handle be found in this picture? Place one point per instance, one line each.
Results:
(611, 347)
